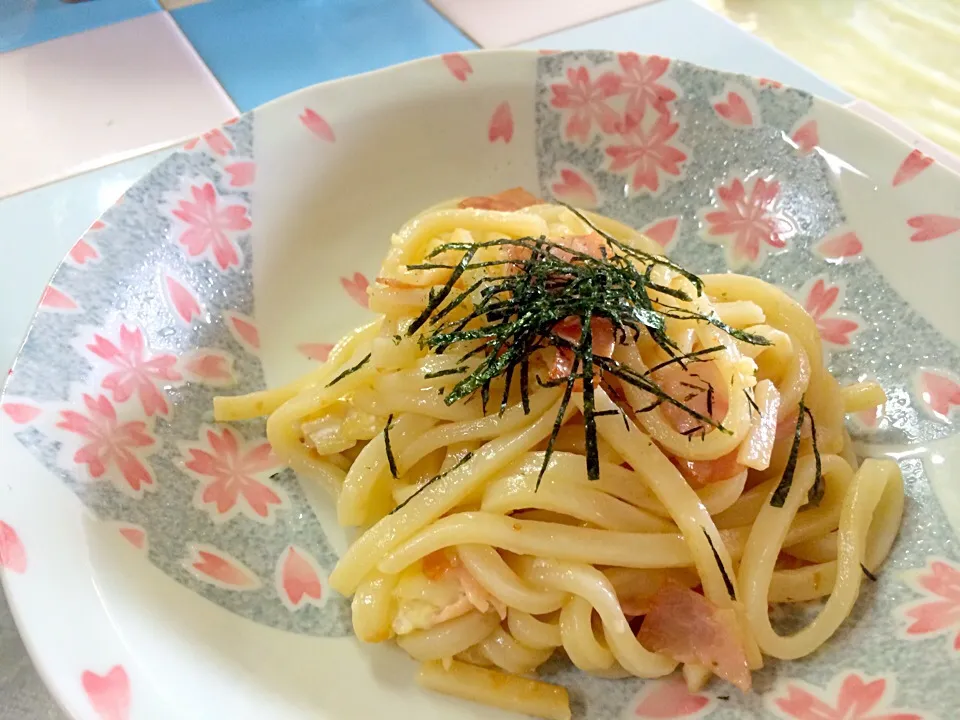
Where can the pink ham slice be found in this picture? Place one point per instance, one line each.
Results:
(689, 628)
(507, 201)
(570, 329)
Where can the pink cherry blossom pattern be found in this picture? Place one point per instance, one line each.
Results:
(192, 143)
(669, 698)
(574, 188)
(806, 137)
(137, 370)
(646, 154)
(185, 304)
(22, 413)
(13, 558)
(242, 174)
(233, 476)
(913, 164)
(939, 391)
(83, 252)
(298, 579)
(869, 420)
(212, 565)
(821, 301)
(243, 329)
(210, 367)
(54, 299)
(938, 612)
(749, 222)
(231, 121)
(932, 227)
(737, 108)
(664, 231)
(584, 102)
(109, 694)
(315, 351)
(849, 696)
(458, 65)
(99, 224)
(768, 83)
(218, 142)
(501, 124)
(107, 444)
(842, 247)
(642, 83)
(211, 227)
(356, 288)
(317, 125)
(135, 535)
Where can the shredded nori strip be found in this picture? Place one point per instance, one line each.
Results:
(547, 283)
(819, 487)
(350, 370)
(449, 371)
(432, 480)
(870, 576)
(568, 391)
(696, 356)
(786, 481)
(716, 556)
(386, 444)
(753, 403)
(589, 421)
(525, 384)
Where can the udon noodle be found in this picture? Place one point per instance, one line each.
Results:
(554, 439)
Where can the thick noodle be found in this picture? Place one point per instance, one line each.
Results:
(484, 544)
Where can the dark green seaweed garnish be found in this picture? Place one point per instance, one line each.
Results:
(386, 444)
(870, 576)
(786, 481)
(350, 370)
(753, 403)
(716, 556)
(517, 313)
(818, 488)
(449, 371)
(432, 480)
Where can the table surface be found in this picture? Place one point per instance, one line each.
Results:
(218, 59)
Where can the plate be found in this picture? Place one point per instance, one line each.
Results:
(160, 565)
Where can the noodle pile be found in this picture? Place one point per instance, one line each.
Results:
(632, 483)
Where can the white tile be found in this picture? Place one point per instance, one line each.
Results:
(91, 99)
(499, 23)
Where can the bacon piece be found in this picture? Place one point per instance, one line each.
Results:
(590, 244)
(604, 341)
(507, 201)
(689, 628)
(691, 387)
(699, 473)
(438, 565)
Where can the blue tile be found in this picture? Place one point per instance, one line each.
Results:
(28, 22)
(261, 49)
(685, 30)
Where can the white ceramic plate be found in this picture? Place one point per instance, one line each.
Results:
(160, 566)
